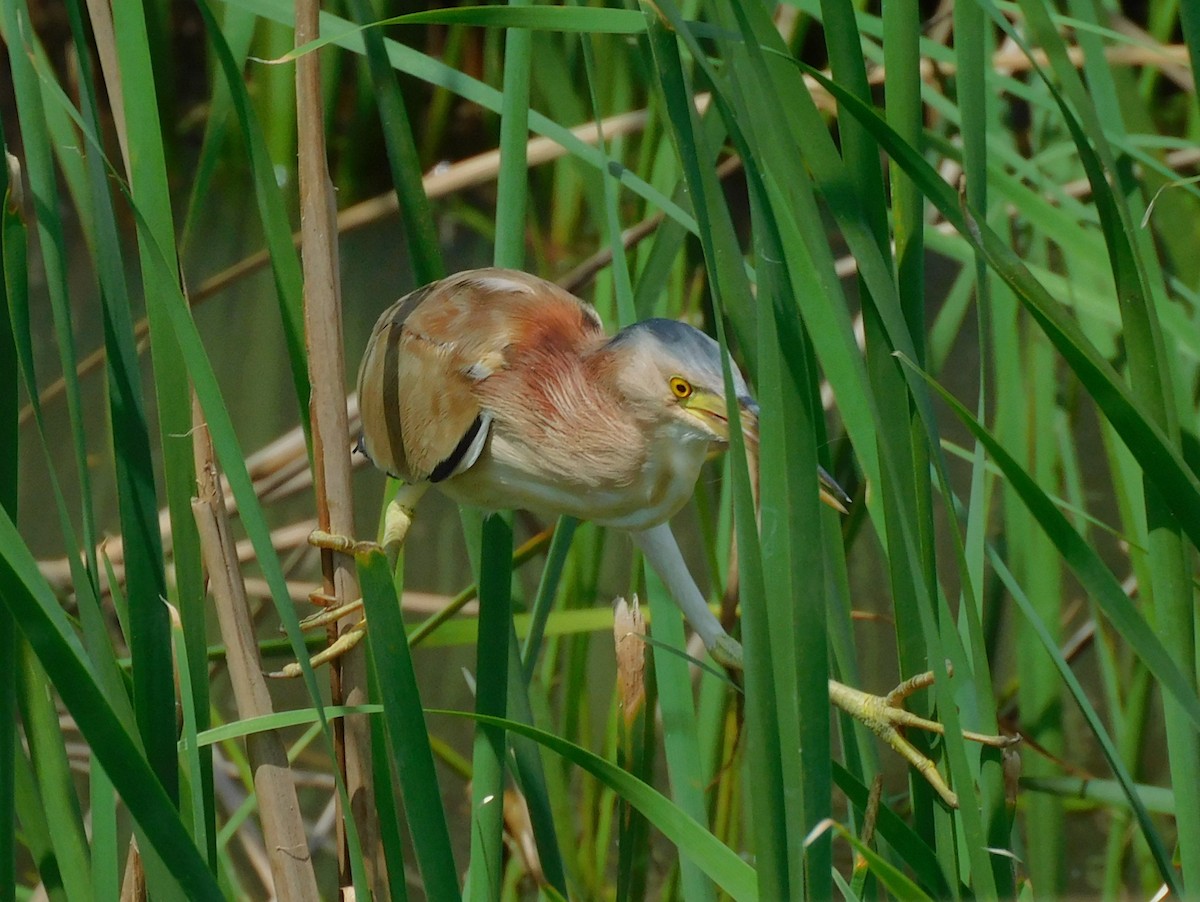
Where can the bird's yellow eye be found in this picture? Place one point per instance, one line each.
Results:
(680, 387)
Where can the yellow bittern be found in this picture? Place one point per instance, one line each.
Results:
(504, 391)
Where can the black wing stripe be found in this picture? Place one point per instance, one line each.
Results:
(447, 466)
(390, 342)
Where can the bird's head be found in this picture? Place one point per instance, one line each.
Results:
(672, 372)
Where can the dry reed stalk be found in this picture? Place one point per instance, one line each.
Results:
(133, 880)
(629, 636)
(279, 808)
(100, 16)
(331, 442)
(58, 571)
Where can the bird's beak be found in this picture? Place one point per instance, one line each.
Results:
(832, 493)
(711, 410)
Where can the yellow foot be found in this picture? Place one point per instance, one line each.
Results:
(319, 538)
(398, 517)
(334, 650)
(333, 612)
(886, 718)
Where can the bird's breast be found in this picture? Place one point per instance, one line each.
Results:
(632, 486)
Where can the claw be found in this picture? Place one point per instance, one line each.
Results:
(397, 519)
(885, 717)
(319, 538)
(335, 649)
(330, 615)
(334, 610)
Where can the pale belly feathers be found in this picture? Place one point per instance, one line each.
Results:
(500, 480)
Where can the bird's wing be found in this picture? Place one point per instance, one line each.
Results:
(422, 418)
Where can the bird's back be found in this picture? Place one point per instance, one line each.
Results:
(418, 382)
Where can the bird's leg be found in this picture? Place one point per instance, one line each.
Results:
(661, 551)
(397, 518)
(883, 715)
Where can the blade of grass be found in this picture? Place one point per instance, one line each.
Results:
(1150, 371)
(43, 186)
(94, 624)
(35, 831)
(893, 879)
(556, 557)
(485, 871)
(279, 720)
(793, 560)
(794, 541)
(272, 211)
(680, 739)
(559, 19)
(385, 793)
(1189, 23)
(763, 750)
(904, 488)
(150, 638)
(48, 754)
(491, 691)
(531, 776)
(237, 27)
(516, 17)
(437, 73)
(612, 220)
(1162, 859)
(696, 141)
(137, 501)
(1103, 793)
(196, 793)
(419, 223)
(1104, 589)
(1025, 413)
(906, 114)
(721, 863)
(17, 289)
(95, 635)
(979, 121)
(9, 472)
(26, 594)
(1160, 459)
(8, 745)
(917, 854)
(407, 731)
(511, 187)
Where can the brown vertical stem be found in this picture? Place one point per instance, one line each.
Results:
(279, 809)
(330, 432)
